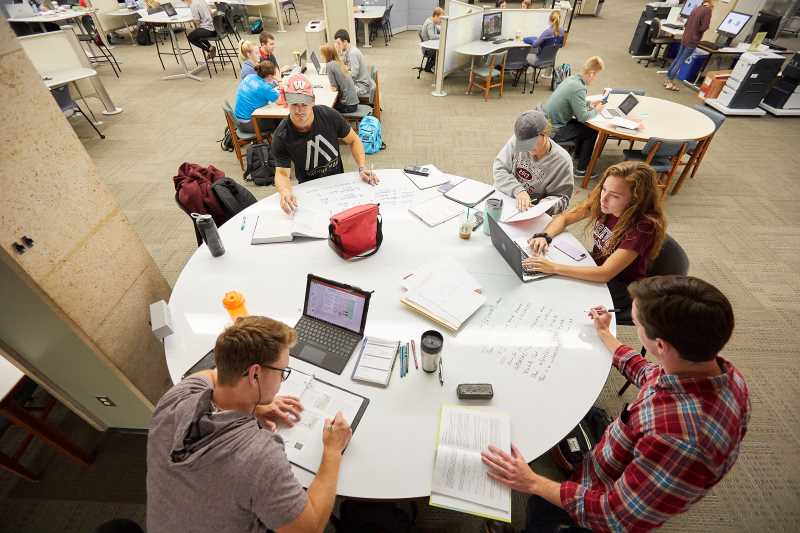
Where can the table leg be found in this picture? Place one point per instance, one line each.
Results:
(599, 144)
(690, 165)
(276, 3)
(257, 129)
(365, 29)
(471, 70)
(45, 432)
(186, 72)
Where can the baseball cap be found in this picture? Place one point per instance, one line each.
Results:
(528, 126)
(299, 90)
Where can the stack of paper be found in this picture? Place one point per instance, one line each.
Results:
(444, 292)
(460, 480)
(469, 192)
(276, 226)
(437, 210)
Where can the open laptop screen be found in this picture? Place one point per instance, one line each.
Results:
(336, 304)
(315, 62)
(628, 104)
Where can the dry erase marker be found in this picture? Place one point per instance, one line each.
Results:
(244, 219)
(414, 353)
(614, 310)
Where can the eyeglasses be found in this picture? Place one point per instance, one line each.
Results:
(285, 372)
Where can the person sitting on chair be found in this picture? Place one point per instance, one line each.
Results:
(628, 228)
(204, 27)
(553, 34)
(531, 167)
(214, 460)
(253, 92)
(340, 79)
(430, 32)
(267, 51)
(567, 110)
(250, 58)
(668, 448)
(354, 60)
(309, 139)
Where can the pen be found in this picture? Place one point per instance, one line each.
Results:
(405, 359)
(414, 353)
(614, 310)
(244, 219)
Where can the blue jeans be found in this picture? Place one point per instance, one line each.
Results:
(683, 54)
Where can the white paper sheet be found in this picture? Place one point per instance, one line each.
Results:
(469, 192)
(512, 214)
(437, 210)
(435, 177)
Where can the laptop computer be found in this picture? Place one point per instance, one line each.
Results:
(316, 63)
(332, 325)
(512, 253)
(169, 9)
(153, 10)
(623, 109)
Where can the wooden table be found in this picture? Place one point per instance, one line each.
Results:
(662, 118)
(323, 95)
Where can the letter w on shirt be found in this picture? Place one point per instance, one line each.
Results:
(318, 147)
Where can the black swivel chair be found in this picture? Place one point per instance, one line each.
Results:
(658, 43)
(672, 260)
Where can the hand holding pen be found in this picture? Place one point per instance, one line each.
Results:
(602, 316)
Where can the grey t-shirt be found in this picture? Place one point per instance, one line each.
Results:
(201, 12)
(214, 471)
(354, 59)
(343, 83)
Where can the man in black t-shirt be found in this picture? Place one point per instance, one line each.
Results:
(309, 138)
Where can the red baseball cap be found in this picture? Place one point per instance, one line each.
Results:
(299, 90)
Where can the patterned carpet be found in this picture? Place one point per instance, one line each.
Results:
(738, 221)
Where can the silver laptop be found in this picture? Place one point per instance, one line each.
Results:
(332, 325)
(512, 253)
(623, 109)
(315, 61)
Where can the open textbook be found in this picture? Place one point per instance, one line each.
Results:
(274, 225)
(460, 481)
(321, 400)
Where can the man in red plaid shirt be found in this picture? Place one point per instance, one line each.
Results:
(674, 442)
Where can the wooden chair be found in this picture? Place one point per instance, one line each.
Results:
(494, 68)
(661, 154)
(238, 137)
(697, 149)
(363, 109)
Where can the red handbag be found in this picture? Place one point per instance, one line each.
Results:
(356, 232)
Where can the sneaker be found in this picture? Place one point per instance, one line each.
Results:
(212, 52)
(582, 174)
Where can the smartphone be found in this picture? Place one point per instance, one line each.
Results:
(572, 251)
(477, 220)
(475, 391)
(419, 171)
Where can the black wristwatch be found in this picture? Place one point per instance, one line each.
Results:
(543, 235)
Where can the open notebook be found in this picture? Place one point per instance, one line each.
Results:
(276, 226)
(459, 480)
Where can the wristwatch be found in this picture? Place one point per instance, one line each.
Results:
(543, 235)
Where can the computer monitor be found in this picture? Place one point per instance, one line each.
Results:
(688, 7)
(492, 25)
(733, 24)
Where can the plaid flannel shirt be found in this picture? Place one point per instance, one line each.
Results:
(672, 444)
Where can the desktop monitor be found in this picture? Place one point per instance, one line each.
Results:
(492, 25)
(733, 24)
(688, 7)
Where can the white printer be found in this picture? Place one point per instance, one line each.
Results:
(750, 80)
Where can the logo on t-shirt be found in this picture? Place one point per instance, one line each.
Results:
(601, 233)
(528, 173)
(320, 146)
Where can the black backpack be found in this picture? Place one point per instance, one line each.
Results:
(568, 453)
(359, 516)
(143, 35)
(260, 164)
(232, 196)
(226, 143)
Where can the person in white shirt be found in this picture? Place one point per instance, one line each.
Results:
(204, 27)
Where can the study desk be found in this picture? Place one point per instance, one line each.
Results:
(64, 16)
(323, 95)
(184, 16)
(392, 451)
(484, 48)
(662, 118)
(57, 78)
(432, 44)
(366, 14)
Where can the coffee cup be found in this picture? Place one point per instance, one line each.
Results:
(431, 344)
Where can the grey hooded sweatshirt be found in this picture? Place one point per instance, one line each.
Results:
(215, 471)
(552, 175)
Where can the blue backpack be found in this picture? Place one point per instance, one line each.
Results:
(369, 131)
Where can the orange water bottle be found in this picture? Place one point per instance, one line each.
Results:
(282, 97)
(234, 303)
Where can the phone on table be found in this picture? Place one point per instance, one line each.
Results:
(572, 252)
(419, 171)
(477, 220)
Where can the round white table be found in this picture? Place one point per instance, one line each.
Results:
(661, 118)
(367, 14)
(392, 451)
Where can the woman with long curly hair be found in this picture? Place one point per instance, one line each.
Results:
(628, 227)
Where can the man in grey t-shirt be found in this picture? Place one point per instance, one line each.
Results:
(354, 59)
(215, 464)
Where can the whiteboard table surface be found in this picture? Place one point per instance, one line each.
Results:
(62, 77)
(55, 17)
(482, 48)
(369, 12)
(392, 451)
(432, 44)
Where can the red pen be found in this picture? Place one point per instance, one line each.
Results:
(414, 353)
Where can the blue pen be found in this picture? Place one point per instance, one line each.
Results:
(244, 219)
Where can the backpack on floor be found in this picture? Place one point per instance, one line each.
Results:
(256, 27)
(232, 196)
(143, 35)
(357, 516)
(369, 131)
(560, 73)
(260, 164)
(569, 453)
(226, 143)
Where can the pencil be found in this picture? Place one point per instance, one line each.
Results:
(414, 353)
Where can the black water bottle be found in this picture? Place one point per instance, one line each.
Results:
(208, 229)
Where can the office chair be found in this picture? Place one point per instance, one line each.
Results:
(661, 154)
(239, 137)
(671, 260)
(718, 119)
(517, 63)
(287, 6)
(546, 58)
(657, 42)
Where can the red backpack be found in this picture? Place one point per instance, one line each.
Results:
(356, 232)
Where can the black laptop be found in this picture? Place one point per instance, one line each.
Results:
(169, 9)
(154, 10)
(512, 253)
(316, 63)
(332, 325)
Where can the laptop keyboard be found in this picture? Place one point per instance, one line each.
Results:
(336, 340)
(611, 113)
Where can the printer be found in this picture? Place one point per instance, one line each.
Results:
(785, 93)
(750, 80)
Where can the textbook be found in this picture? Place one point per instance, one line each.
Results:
(460, 481)
(276, 226)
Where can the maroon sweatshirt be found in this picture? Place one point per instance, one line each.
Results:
(696, 26)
